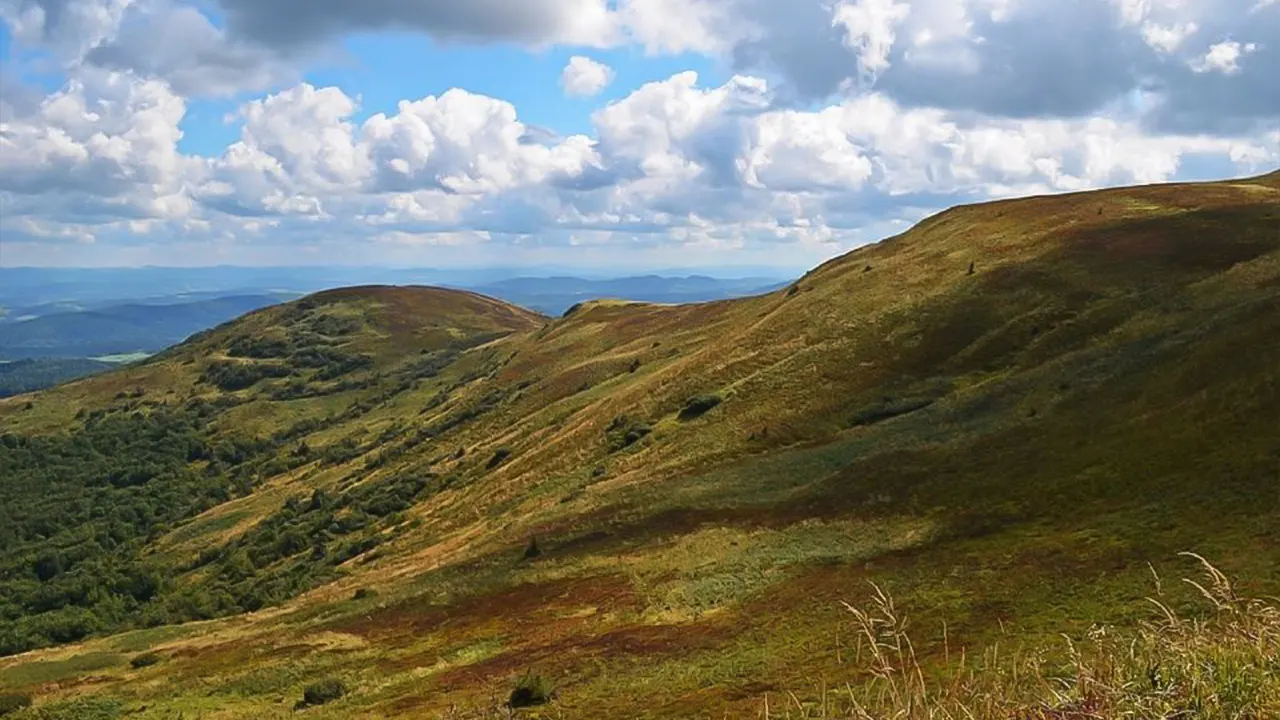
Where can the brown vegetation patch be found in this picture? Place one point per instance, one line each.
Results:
(400, 624)
(1192, 240)
(560, 656)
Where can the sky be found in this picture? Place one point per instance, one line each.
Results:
(602, 134)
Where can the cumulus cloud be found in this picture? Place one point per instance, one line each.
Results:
(1013, 58)
(674, 161)
(870, 29)
(105, 143)
(69, 27)
(1168, 39)
(179, 44)
(841, 120)
(584, 77)
(1223, 57)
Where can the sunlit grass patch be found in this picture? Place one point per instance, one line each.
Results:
(40, 672)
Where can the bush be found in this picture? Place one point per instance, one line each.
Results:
(325, 691)
(532, 550)
(10, 704)
(233, 376)
(145, 660)
(530, 691)
(699, 405)
(626, 431)
(499, 456)
(888, 409)
(365, 594)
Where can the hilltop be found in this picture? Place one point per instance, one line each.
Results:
(1006, 416)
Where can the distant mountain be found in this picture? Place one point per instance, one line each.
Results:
(18, 311)
(135, 327)
(75, 322)
(554, 295)
(23, 288)
(25, 376)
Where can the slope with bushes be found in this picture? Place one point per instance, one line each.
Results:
(1004, 418)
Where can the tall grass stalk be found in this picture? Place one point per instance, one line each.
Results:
(1219, 664)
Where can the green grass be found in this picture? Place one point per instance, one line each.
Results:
(51, 671)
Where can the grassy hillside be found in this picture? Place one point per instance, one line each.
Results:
(1005, 418)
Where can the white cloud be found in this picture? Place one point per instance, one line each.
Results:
(1168, 39)
(869, 27)
(672, 164)
(1223, 57)
(69, 27)
(584, 77)
(971, 99)
(678, 26)
(179, 44)
(107, 136)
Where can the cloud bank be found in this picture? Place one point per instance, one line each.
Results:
(837, 123)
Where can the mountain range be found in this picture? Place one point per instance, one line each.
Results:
(406, 501)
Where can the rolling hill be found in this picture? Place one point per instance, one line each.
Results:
(1006, 417)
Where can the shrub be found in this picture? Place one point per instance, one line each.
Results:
(325, 691)
(626, 431)
(532, 550)
(499, 456)
(365, 594)
(10, 704)
(888, 409)
(145, 660)
(531, 690)
(699, 405)
(232, 376)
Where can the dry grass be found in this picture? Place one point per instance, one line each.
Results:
(1221, 664)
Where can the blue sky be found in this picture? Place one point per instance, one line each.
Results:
(603, 134)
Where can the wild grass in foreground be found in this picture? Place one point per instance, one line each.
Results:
(1218, 662)
(1224, 664)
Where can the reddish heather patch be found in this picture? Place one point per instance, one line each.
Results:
(540, 630)
(1193, 240)
(401, 623)
(561, 655)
